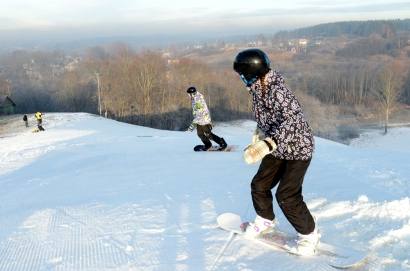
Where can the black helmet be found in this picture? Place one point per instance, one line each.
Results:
(191, 90)
(251, 64)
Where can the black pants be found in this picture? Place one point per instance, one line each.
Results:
(205, 134)
(39, 126)
(289, 175)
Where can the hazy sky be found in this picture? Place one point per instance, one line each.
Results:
(144, 17)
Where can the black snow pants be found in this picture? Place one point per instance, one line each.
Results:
(39, 124)
(205, 134)
(289, 175)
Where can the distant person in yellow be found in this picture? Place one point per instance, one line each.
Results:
(39, 118)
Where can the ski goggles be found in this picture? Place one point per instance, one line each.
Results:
(247, 82)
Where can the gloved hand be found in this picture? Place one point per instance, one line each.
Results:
(258, 135)
(191, 127)
(256, 151)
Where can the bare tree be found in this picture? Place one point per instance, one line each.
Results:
(387, 91)
(5, 87)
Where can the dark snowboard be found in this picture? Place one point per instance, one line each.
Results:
(214, 148)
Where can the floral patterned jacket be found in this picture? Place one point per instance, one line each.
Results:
(200, 110)
(279, 115)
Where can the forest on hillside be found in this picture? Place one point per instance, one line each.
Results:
(341, 82)
(385, 28)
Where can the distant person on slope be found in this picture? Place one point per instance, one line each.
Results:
(284, 142)
(202, 122)
(25, 119)
(39, 118)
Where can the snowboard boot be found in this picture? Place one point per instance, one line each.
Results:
(207, 146)
(307, 243)
(259, 227)
(222, 145)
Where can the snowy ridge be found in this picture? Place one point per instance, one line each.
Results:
(96, 194)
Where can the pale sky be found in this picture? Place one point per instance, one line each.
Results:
(143, 17)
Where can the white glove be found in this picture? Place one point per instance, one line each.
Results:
(256, 151)
(191, 127)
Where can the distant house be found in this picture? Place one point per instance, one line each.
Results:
(166, 54)
(252, 44)
(174, 61)
(7, 105)
(303, 42)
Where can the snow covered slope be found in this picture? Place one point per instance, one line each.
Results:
(96, 194)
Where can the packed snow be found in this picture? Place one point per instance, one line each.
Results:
(95, 194)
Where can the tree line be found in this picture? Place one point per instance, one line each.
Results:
(384, 28)
(142, 88)
(148, 89)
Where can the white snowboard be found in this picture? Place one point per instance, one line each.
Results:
(339, 258)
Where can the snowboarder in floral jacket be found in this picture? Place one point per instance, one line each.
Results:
(202, 122)
(283, 140)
